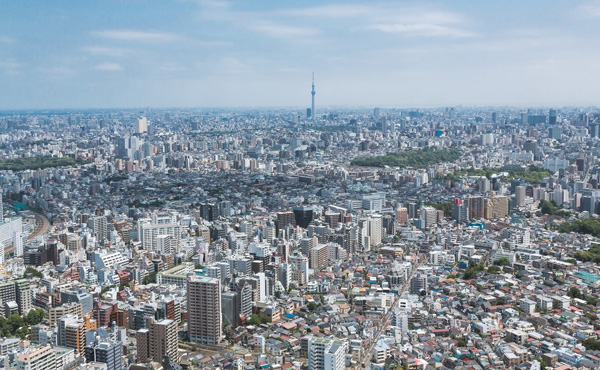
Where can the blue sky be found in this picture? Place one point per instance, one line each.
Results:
(204, 53)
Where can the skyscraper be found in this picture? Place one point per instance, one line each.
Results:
(204, 309)
(520, 195)
(303, 216)
(312, 111)
(141, 125)
(552, 116)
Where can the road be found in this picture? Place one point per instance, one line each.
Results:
(368, 353)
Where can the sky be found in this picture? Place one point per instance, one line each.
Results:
(251, 53)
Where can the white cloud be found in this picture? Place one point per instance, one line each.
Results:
(283, 31)
(171, 67)
(108, 67)
(422, 30)
(329, 11)
(6, 39)
(133, 35)
(233, 66)
(107, 51)
(9, 64)
(587, 10)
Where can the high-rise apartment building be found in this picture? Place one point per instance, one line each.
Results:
(106, 351)
(418, 284)
(40, 358)
(520, 195)
(326, 354)
(429, 215)
(204, 309)
(71, 308)
(158, 340)
(402, 215)
(460, 211)
(71, 333)
(99, 226)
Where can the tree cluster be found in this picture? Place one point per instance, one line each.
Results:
(257, 319)
(412, 158)
(473, 270)
(588, 226)
(34, 163)
(531, 174)
(31, 270)
(17, 326)
(550, 208)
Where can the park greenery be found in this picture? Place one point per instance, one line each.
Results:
(531, 174)
(550, 208)
(420, 158)
(34, 163)
(589, 226)
(17, 326)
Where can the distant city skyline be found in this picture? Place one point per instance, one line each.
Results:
(212, 53)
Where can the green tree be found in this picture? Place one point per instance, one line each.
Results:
(574, 292)
(493, 269)
(547, 208)
(31, 270)
(502, 261)
(591, 344)
(150, 279)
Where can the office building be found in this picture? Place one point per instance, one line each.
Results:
(82, 297)
(141, 125)
(303, 216)
(552, 117)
